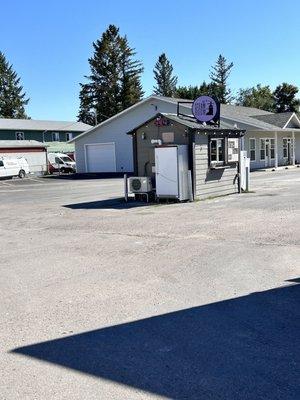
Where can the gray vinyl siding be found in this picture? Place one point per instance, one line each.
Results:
(207, 182)
(211, 182)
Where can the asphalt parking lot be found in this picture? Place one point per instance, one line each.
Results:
(103, 300)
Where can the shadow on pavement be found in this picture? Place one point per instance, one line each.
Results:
(243, 348)
(119, 204)
(77, 176)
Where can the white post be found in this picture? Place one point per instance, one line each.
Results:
(293, 142)
(125, 187)
(190, 185)
(276, 150)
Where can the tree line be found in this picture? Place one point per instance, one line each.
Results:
(114, 84)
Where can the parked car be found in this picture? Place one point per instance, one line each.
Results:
(59, 162)
(10, 167)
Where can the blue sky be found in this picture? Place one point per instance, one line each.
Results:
(49, 43)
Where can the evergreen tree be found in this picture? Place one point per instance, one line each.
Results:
(87, 113)
(285, 98)
(258, 96)
(163, 74)
(131, 69)
(192, 92)
(12, 98)
(114, 81)
(219, 75)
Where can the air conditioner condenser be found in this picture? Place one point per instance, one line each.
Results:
(140, 184)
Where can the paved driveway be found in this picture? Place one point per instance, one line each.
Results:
(100, 300)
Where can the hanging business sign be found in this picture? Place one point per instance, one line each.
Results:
(206, 109)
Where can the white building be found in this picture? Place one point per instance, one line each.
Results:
(271, 139)
(33, 151)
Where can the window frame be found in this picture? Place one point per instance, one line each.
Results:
(217, 162)
(54, 136)
(72, 136)
(272, 147)
(225, 163)
(286, 147)
(19, 132)
(250, 149)
(262, 149)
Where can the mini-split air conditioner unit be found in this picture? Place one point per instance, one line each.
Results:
(140, 184)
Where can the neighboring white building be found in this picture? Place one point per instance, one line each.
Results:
(33, 151)
(271, 139)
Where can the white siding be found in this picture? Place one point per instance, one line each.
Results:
(37, 161)
(263, 134)
(115, 132)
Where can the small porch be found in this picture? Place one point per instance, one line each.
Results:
(273, 149)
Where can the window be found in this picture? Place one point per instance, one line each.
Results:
(58, 160)
(20, 136)
(262, 149)
(55, 136)
(66, 159)
(272, 148)
(232, 150)
(285, 148)
(217, 151)
(252, 147)
(1, 163)
(69, 136)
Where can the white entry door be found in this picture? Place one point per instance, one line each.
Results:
(166, 171)
(267, 151)
(100, 157)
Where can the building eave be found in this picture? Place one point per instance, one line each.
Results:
(114, 117)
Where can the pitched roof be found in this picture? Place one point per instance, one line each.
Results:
(190, 122)
(278, 119)
(39, 125)
(193, 124)
(237, 114)
(226, 109)
(21, 143)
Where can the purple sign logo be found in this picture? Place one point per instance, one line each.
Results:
(204, 108)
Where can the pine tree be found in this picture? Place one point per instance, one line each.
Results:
(114, 82)
(163, 74)
(12, 98)
(87, 113)
(285, 98)
(192, 92)
(131, 70)
(219, 75)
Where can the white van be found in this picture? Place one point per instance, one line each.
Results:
(61, 162)
(10, 167)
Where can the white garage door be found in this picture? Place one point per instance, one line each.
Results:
(100, 157)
